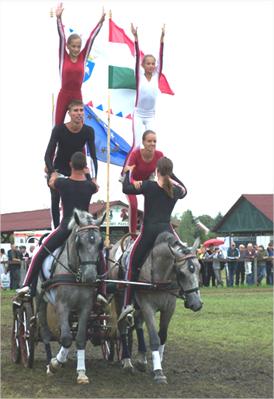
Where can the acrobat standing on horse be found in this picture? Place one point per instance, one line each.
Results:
(76, 192)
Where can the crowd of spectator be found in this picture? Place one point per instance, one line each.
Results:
(239, 266)
(13, 265)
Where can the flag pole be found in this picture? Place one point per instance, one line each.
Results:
(107, 239)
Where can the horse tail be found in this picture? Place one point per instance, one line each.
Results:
(114, 318)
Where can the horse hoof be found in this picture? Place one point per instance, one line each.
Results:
(82, 378)
(159, 377)
(141, 366)
(128, 366)
(53, 366)
(49, 372)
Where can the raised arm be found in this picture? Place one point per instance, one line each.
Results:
(62, 38)
(93, 34)
(161, 52)
(179, 183)
(137, 55)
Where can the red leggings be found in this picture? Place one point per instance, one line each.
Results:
(132, 213)
(63, 100)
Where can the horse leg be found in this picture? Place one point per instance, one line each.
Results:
(165, 317)
(65, 339)
(126, 357)
(44, 328)
(141, 361)
(81, 345)
(123, 331)
(149, 317)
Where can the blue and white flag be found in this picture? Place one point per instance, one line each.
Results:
(119, 148)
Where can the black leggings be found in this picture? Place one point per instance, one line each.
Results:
(52, 242)
(55, 211)
(140, 251)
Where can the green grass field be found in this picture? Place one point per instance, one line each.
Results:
(223, 351)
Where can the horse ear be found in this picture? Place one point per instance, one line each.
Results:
(100, 221)
(76, 217)
(196, 245)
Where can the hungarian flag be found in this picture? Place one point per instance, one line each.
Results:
(117, 35)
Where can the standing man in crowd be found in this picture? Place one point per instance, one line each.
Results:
(14, 257)
(232, 254)
(240, 270)
(269, 264)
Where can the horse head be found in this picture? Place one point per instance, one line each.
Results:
(84, 245)
(187, 269)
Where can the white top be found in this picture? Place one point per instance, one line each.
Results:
(147, 95)
(3, 265)
(5, 280)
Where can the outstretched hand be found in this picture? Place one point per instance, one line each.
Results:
(163, 32)
(102, 17)
(59, 10)
(134, 30)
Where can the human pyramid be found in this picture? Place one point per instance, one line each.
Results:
(73, 182)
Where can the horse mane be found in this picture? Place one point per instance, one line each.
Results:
(83, 217)
(171, 240)
(166, 236)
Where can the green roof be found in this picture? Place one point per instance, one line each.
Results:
(251, 214)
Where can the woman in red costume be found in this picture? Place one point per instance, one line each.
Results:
(71, 65)
(145, 161)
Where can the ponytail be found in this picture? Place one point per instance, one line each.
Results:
(165, 167)
(168, 187)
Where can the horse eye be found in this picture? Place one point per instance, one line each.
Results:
(191, 268)
(92, 239)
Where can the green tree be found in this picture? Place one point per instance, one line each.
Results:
(187, 228)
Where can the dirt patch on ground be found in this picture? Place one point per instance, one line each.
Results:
(192, 372)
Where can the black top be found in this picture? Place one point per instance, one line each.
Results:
(68, 143)
(158, 205)
(74, 194)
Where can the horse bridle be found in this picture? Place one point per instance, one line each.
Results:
(77, 274)
(191, 268)
(83, 263)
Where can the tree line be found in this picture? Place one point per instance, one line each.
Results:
(190, 226)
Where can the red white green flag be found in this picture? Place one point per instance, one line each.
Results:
(111, 69)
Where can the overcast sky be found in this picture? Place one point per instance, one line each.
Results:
(217, 128)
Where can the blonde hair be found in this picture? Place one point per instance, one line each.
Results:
(146, 56)
(73, 36)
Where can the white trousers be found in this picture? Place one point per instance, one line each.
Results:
(140, 125)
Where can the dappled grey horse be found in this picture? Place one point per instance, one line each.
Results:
(173, 271)
(72, 288)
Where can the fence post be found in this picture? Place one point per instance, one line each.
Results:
(255, 270)
(23, 271)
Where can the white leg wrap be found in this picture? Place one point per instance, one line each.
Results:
(156, 360)
(81, 360)
(161, 351)
(62, 354)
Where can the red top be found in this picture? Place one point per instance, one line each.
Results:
(72, 73)
(143, 169)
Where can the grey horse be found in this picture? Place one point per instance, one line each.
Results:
(72, 288)
(173, 271)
